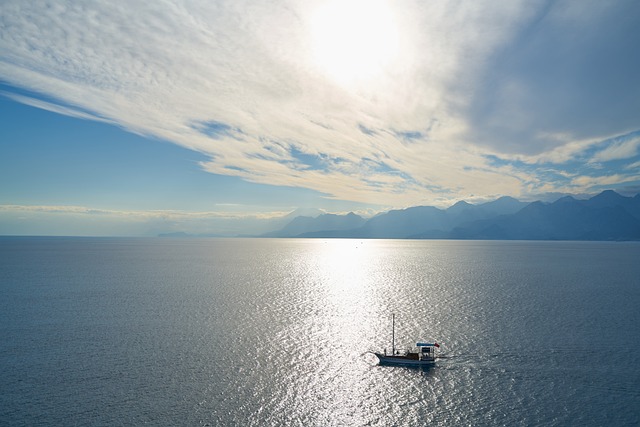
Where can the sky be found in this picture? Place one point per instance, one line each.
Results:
(138, 118)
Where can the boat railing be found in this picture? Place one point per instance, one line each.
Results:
(398, 351)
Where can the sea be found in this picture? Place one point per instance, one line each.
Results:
(280, 332)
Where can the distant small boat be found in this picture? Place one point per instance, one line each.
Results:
(424, 354)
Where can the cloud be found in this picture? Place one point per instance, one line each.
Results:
(569, 70)
(81, 220)
(603, 181)
(633, 166)
(528, 83)
(54, 108)
(166, 214)
(624, 147)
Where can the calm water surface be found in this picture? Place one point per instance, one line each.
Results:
(276, 332)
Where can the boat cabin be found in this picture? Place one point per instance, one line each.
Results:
(426, 351)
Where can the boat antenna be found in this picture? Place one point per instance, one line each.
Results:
(393, 333)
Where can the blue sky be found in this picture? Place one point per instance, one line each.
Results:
(146, 117)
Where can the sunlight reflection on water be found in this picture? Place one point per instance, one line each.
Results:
(276, 332)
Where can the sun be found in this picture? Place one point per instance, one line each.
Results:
(353, 40)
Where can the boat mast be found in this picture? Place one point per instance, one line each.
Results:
(393, 334)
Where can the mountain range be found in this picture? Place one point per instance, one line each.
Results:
(607, 216)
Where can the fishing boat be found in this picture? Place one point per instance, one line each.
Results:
(423, 354)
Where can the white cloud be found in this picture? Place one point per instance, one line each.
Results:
(146, 214)
(463, 84)
(633, 166)
(620, 148)
(601, 181)
(54, 108)
(81, 220)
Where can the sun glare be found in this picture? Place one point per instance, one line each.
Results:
(353, 40)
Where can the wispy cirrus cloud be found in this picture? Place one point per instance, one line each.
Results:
(625, 147)
(480, 98)
(54, 108)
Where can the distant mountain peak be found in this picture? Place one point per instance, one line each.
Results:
(506, 199)
(608, 195)
(327, 222)
(504, 205)
(310, 212)
(566, 199)
(460, 206)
